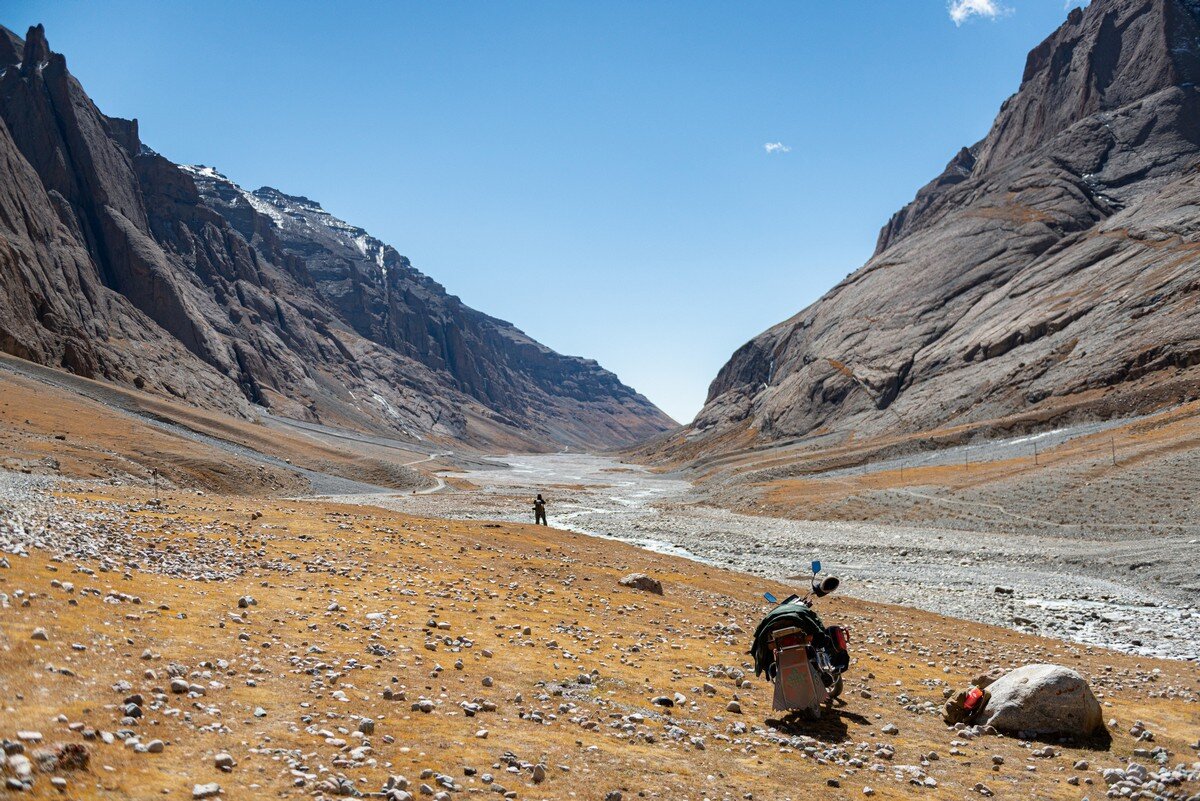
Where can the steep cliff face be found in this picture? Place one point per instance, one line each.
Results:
(385, 299)
(1058, 258)
(69, 212)
(118, 264)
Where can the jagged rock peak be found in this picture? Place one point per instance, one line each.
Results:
(37, 49)
(274, 195)
(11, 48)
(1105, 58)
(1049, 270)
(121, 265)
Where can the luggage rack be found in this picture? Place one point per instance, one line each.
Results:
(789, 637)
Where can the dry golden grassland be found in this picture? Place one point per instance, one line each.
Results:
(353, 601)
(47, 430)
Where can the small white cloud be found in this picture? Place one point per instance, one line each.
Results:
(962, 10)
(776, 147)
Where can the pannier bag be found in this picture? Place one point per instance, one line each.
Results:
(839, 647)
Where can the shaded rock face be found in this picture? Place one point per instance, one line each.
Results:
(1043, 700)
(70, 212)
(384, 298)
(118, 264)
(1054, 263)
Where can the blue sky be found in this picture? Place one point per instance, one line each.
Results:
(595, 173)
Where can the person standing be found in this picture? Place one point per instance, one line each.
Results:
(539, 510)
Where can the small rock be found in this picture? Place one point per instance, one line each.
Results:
(640, 581)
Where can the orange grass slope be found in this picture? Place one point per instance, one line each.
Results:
(56, 423)
(46, 430)
(525, 628)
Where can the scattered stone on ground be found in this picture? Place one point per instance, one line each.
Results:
(412, 657)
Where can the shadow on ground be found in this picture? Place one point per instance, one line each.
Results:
(830, 727)
(1100, 741)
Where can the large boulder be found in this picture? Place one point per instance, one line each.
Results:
(640, 581)
(1043, 700)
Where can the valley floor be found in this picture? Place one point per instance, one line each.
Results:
(1070, 584)
(173, 597)
(318, 648)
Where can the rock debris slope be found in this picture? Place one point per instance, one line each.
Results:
(117, 264)
(1055, 264)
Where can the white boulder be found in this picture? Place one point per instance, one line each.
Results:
(1043, 700)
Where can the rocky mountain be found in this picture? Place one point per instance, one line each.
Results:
(1053, 268)
(117, 264)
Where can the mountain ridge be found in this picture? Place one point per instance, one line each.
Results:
(119, 266)
(1053, 261)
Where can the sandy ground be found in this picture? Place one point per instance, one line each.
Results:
(1064, 583)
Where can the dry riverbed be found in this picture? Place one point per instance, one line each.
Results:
(1073, 585)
